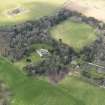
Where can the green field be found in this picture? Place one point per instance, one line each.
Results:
(32, 91)
(36, 8)
(22, 63)
(87, 93)
(74, 34)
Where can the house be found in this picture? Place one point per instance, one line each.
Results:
(42, 52)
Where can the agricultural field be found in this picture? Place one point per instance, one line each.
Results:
(71, 91)
(76, 35)
(89, 8)
(15, 11)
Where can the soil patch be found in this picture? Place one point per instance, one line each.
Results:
(15, 11)
(55, 77)
(88, 8)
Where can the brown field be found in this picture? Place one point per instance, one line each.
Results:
(89, 8)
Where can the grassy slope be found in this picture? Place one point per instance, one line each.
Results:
(37, 9)
(28, 91)
(74, 34)
(83, 91)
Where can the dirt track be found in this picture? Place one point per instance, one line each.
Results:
(90, 8)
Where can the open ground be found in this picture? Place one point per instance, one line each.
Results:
(89, 8)
(35, 8)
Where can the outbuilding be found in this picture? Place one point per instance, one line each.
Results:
(42, 52)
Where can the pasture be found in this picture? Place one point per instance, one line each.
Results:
(32, 91)
(81, 90)
(34, 10)
(76, 35)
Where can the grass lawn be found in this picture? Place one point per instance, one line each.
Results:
(22, 63)
(36, 8)
(74, 34)
(41, 45)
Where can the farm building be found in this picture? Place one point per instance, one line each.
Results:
(42, 52)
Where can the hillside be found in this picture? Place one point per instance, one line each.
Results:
(41, 92)
(35, 92)
(32, 10)
(52, 52)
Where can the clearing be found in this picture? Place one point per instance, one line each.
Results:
(74, 34)
(34, 57)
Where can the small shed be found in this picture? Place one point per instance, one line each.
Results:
(42, 52)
